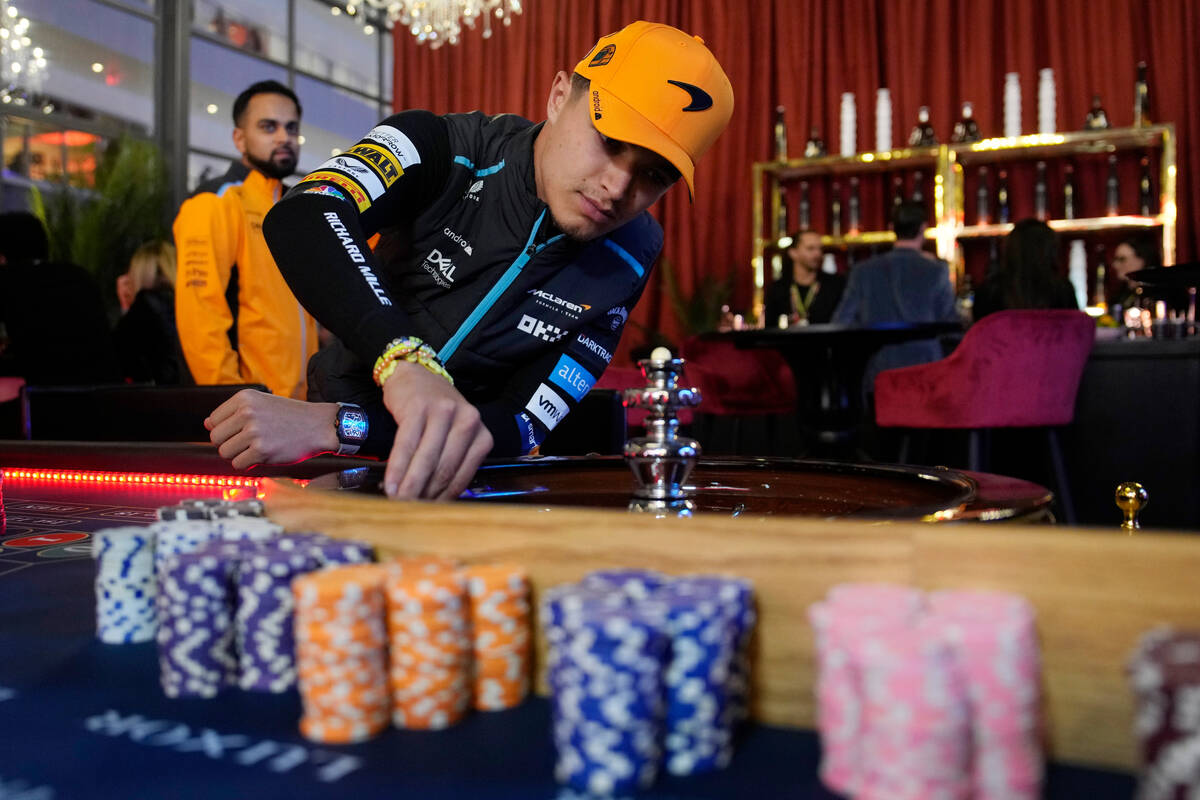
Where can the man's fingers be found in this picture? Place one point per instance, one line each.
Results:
(480, 447)
(408, 436)
(431, 452)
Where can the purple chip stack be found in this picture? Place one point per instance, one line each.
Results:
(1164, 673)
(195, 621)
(265, 634)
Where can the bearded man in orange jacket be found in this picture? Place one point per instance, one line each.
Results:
(238, 321)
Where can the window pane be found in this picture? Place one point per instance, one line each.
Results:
(256, 26)
(218, 76)
(333, 119)
(336, 47)
(98, 57)
(388, 42)
(202, 168)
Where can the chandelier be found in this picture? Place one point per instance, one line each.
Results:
(439, 22)
(22, 65)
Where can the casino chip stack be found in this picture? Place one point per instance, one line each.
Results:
(994, 644)
(265, 629)
(606, 673)
(709, 620)
(499, 596)
(1164, 673)
(341, 659)
(430, 636)
(195, 621)
(125, 585)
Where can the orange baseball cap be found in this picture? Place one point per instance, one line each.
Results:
(657, 87)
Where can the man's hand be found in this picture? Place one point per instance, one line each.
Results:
(440, 438)
(254, 427)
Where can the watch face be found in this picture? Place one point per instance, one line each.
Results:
(352, 424)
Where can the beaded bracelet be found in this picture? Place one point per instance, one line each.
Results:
(413, 350)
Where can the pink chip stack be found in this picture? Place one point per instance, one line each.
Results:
(927, 698)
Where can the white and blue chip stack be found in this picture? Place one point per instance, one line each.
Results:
(645, 669)
(125, 585)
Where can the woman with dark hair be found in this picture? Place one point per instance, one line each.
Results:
(1132, 254)
(1028, 275)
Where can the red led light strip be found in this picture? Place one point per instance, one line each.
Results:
(68, 476)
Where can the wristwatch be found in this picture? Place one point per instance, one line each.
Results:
(351, 426)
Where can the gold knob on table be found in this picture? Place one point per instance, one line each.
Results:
(1131, 497)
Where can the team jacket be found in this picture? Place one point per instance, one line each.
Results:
(524, 318)
(238, 321)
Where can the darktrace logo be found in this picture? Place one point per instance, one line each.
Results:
(441, 268)
(596, 104)
(603, 55)
(701, 99)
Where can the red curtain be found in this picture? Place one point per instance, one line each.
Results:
(803, 54)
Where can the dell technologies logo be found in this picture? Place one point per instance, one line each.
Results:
(442, 269)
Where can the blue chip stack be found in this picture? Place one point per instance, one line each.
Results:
(639, 664)
(265, 634)
(607, 682)
(125, 585)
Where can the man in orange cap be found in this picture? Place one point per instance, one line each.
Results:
(511, 255)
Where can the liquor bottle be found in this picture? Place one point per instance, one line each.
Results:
(1112, 189)
(814, 147)
(1069, 191)
(780, 134)
(918, 193)
(897, 192)
(1146, 204)
(922, 133)
(1098, 297)
(983, 198)
(781, 220)
(1141, 98)
(804, 215)
(966, 130)
(1002, 210)
(835, 211)
(1097, 119)
(854, 206)
(1039, 192)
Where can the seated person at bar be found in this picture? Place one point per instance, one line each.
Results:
(1028, 274)
(1135, 253)
(803, 294)
(511, 256)
(905, 284)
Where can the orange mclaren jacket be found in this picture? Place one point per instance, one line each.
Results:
(238, 320)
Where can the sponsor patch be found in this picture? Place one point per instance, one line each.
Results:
(617, 317)
(355, 254)
(528, 433)
(397, 144)
(356, 169)
(603, 55)
(328, 191)
(440, 267)
(596, 104)
(564, 307)
(355, 191)
(595, 348)
(381, 161)
(541, 330)
(473, 191)
(570, 376)
(547, 406)
(461, 241)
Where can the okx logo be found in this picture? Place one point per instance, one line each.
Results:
(441, 268)
(541, 330)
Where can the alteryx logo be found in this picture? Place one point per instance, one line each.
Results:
(570, 376)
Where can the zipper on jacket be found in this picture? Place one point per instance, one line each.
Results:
(506, 280)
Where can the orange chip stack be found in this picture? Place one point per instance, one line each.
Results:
(430, 634)
(341, 661)
(500, 619)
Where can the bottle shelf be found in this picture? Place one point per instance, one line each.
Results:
(1057, 145)
(858, 164)
(1115, 222)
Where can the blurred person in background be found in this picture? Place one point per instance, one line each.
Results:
(1028, 276)
(146, 341)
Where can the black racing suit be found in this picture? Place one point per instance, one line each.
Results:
(522, 317)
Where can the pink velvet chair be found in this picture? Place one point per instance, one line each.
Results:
(1013, 369)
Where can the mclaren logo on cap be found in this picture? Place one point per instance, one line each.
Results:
(603, 56)
(701, 99)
